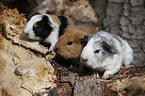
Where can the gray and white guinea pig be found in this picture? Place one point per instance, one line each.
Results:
(47, 28)
(69, 45)
(106, 53)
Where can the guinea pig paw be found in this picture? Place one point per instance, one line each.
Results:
(107, 76)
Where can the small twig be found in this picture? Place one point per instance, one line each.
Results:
(106, 80)
(8, 14)
(128, 77)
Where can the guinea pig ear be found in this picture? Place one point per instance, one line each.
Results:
(108, 48)
(84, 40)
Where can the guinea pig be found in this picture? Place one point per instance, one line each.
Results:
(47, 28)
(69, 44)
(106, 53)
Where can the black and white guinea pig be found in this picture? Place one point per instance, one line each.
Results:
(47, 28)
(106, 53)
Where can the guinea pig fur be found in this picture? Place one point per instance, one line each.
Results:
(47, 28)
(106, 52)
(69, 45)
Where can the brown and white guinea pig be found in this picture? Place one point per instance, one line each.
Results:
(47, 28)
(69, 45)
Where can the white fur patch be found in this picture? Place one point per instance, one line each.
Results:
(52, 38)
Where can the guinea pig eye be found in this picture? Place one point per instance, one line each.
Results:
(69, 43)
(97, 51)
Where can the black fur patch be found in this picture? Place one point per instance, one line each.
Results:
(63, 25)
(84, 40)
(43, 28)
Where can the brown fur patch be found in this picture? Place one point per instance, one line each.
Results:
(73, 34)
(70, 21)
(55, 19)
